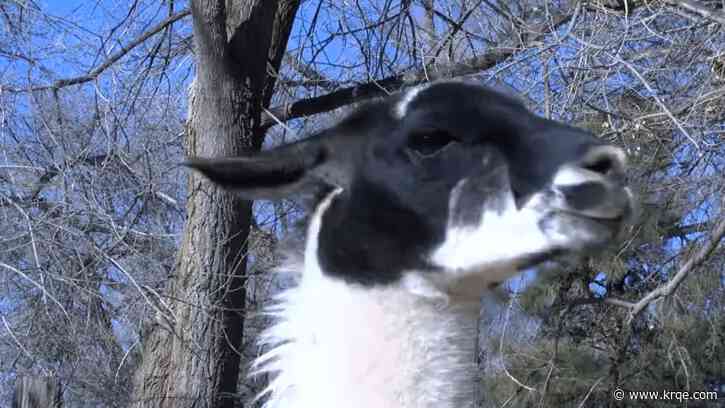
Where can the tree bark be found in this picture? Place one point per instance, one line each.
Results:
(191, 353)
(37, 392)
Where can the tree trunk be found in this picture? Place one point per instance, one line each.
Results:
(191, 354)
(37, 392)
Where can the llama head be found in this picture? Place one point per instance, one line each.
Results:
(450, 183)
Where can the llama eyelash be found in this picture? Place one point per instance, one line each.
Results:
(400, 249)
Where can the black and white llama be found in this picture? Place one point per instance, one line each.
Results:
(427, 199)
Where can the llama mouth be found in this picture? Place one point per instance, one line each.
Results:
(577, 232)
(611, 222)
(608, 221)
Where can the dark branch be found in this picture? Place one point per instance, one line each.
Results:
(385, 86)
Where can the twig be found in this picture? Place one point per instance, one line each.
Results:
(667, 289)
(657, 99)
(501, 343)
(619, 302)
(693, 262)
(384, 86)
(700, 9)
(168, 318)
(586, 397)
(93, 74)
(120, 365)
(276, 119)
(37, 285)
(15, 339)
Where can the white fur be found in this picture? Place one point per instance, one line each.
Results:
(570, 175)
(401, 109)
(341, 345)
(493, 257)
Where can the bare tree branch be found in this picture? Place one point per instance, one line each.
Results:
(313, 77)
(700, 9)
(346, 96)
(693, 262)
(669, 288)
(93, 74)
(657, 99)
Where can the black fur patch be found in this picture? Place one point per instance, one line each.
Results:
(368, 237)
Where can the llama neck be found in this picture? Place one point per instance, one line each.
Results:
(395, 346)
(342, 345)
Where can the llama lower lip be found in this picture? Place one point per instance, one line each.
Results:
(605, 228)
(611, 224)
(610, 221)
(617, 220)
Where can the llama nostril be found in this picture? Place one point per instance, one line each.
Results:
(603, 165)
(594, 186)
(608, 161)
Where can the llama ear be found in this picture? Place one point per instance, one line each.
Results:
(271, 174)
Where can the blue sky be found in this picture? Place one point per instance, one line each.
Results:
(61, 7)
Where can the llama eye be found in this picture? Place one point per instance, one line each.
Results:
(428, 142)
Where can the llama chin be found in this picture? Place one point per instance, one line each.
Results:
(432, 196)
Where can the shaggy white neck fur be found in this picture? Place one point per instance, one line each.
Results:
(339, 345)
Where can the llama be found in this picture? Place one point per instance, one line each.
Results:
(424, 201)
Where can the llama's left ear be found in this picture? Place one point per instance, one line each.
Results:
(271, 174)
